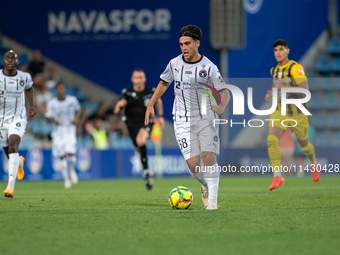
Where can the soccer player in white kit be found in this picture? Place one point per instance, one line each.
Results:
(196, 135)
(14, 85)
(64, 112)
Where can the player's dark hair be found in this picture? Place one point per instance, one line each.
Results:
(59, 83)
(138, 70)
(280, 42)
(191, 30)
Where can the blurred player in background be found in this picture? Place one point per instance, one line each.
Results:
(14, 85)
(64, 112)
(135, 100)
(288, 73)
(195, 133)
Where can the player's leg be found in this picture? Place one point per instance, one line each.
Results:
(71, 149)
(210, 147)
(274, 153)
(188, 143)
(58, 150)
(72, 160)
(139, 136)
(64, 172)
(16, 131)
(13, 164)
(301, 132)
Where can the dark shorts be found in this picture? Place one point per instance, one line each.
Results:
(134, 129)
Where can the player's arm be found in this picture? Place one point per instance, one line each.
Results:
(225, 98)
(30, 96)
(49, 115)
(76, 118)
(160, 112)
(120, 104)
(160, 90)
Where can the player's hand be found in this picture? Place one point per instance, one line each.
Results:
(31, 111)
(161, 122)
(75, 122)
(149, 110)
(268, 96)
(57, 123)
(117, 108)
(218, 109)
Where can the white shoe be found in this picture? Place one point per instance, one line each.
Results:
(74, 177)
(211, 206)
(205, 194)
(67, 184)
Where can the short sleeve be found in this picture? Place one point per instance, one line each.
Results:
(49, 110)
(167, 75)
(298, 73)
(29, 82)
(216, 76)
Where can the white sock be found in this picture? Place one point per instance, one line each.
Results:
(213, 179)
(199, 176)
(277, 173)
(72, 162)
(63, 166)
(13, 165)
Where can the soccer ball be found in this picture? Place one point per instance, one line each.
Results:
(180, 198)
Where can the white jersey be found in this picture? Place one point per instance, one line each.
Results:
(63, 111)
(12, 96)
(190, 84)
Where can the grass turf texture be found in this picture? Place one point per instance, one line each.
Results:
(122, 217)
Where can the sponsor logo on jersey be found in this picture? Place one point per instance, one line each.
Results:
(188, 72)
(285, 73)
(176, 70)
(301, 72)
(11, 82)
(215, 138)
(203, 73)
(22, 83)
(18, 125)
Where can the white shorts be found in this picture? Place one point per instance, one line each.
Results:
(17, 127)
(64, 141)
(195, 137)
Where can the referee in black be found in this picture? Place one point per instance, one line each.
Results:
(135, 100)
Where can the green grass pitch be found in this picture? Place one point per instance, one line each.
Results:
(122, 217)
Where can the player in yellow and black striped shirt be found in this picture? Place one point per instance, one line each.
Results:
(288, 73)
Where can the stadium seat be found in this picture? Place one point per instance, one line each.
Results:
(336, 65)
(319, 120)
(315, 101)
(330, 101)
(323, 65)
(335, 139)
(334, 47)
(333, 120)
(327, 83)
(321, 139)
(69, 91)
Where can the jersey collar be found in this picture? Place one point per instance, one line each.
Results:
(192, 62)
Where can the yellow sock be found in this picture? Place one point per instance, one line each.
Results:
(274, 152)
(310, 152)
